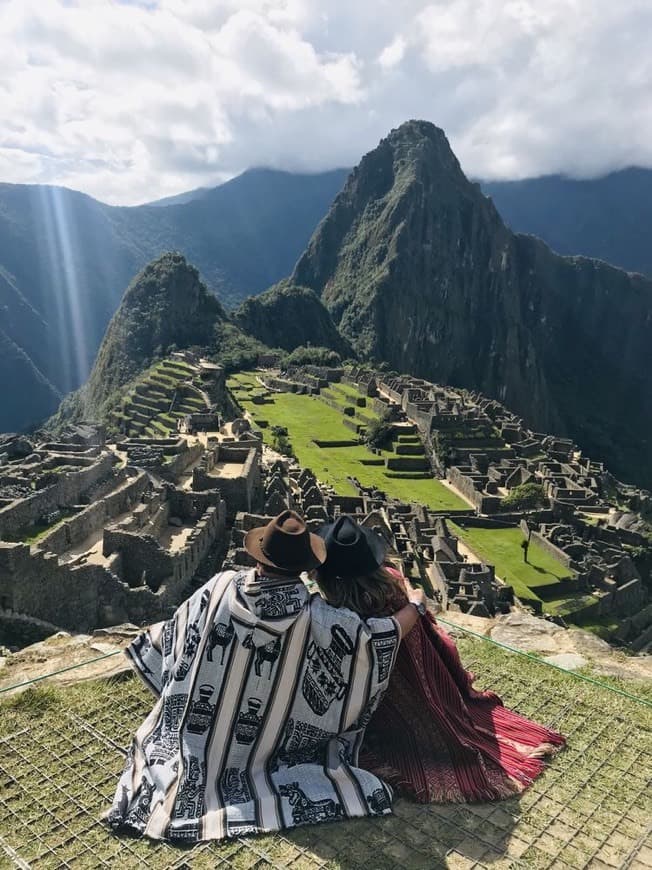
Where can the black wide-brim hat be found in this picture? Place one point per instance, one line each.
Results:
(286, 543)
(351, 550)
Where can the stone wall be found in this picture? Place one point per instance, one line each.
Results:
(439, 583)
(75, 530)
(68, 490)
(246, 492)
(81, 597)
(241, 493)
(550, 548)
(144, 561)
(407, 463)
(629, 597)
(178, 464)
(38, 585)
(210, 528)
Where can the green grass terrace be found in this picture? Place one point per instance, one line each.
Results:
(153, 403)
(542, 579)
(542, 582)
(309, 419)
(62, 750)
(502, 548)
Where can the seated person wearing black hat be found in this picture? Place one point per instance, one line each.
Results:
(433, 735)
(263, 693)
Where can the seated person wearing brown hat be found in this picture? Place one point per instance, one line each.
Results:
(264, 692)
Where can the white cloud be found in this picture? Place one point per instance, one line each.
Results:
(392, 53)
(134, 99)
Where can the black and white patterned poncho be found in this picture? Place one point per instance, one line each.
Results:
(263, 692)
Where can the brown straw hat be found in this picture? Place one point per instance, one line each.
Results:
(286, 543)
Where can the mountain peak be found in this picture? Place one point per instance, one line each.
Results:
(165, 306)
(289, 316)
(417, 268)
(418, 147)
(412, 171)
(414, 132)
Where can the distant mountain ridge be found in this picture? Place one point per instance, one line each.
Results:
(609, 218)
(66, 258)
(418, 269)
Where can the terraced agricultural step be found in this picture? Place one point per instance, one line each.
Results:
(408, 475)
(407, 463)
(196, 400)
(365, 418)
(409, 449)
(137, 416)
(164, 381)
(189, 409)
(159, 429)
(163, 390)
(151, 399)
(177, 371)
(147, 406)
(144, 404)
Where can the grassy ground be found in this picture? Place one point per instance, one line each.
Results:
(60, 758)
(502, 548)
(307, 418)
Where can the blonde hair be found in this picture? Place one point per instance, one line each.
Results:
(368, 595)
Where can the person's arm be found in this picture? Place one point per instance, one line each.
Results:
(407, 616)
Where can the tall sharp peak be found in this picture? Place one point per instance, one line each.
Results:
(412, 171)
(417, 146)
(169, 275)
(165, 306)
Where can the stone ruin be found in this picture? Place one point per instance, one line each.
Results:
(93, 535)
(418, 542)
(597, 526)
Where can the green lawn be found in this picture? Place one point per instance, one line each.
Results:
(307, 418)
(61, 764)
(502, 548)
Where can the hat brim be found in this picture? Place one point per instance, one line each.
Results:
(253, 545)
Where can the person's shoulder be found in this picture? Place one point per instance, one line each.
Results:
(322, 611)
(222, 579)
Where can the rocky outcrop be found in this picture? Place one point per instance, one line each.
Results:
(65, 259)
(165, 307)
(568, 648)
(288, 316)
(418, 269)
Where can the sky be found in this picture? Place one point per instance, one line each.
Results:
(132, 101)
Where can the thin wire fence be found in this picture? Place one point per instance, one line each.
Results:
(591, 808)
